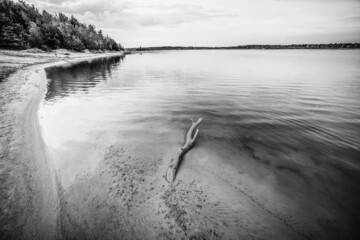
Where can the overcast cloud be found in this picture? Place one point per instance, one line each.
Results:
(216, 22)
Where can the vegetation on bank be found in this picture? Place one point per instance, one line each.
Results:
(292, 46)
(23, 26)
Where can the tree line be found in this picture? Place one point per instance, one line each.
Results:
(23, 26)
(291, 46)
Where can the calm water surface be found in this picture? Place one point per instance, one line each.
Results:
(294, 114)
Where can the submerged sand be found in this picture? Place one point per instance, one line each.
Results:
(127, 197)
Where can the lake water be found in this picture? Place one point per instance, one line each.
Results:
(281, 127)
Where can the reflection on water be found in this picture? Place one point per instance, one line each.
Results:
(82, 76)
(287, 121)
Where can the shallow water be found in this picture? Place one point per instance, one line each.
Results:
(281, 126)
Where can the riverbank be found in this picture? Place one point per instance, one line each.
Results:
(28, 186)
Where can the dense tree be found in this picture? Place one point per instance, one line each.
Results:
(23, 26)
(12, 35)
(35, 35)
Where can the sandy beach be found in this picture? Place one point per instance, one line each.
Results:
(29, 199)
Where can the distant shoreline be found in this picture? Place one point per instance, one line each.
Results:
(257, 47)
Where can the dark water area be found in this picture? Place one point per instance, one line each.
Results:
(283, 126)
(82, 76)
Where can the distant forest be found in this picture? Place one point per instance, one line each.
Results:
(23, 26)
(292, 46)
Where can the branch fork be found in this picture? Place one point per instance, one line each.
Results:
(175, 161)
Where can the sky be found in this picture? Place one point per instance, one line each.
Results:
(145, 23)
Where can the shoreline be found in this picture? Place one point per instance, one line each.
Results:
(29, 193)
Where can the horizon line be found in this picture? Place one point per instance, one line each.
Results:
(245, 45)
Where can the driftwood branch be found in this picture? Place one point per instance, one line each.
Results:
(190, 139)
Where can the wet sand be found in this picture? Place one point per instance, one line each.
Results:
(29, 202)
(127, 197)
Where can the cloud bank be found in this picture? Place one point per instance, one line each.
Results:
(216, 22)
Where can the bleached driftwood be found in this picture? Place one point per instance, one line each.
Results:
(190, 139)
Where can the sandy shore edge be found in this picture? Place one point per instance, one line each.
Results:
(29, 193)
